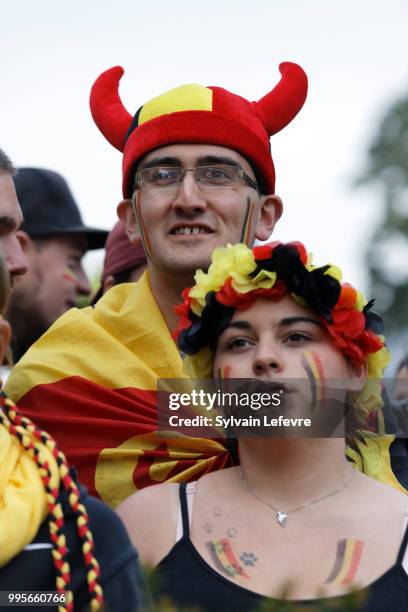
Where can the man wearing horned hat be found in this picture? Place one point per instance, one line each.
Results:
(197, 174)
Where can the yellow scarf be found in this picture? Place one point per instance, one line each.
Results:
(23, 504)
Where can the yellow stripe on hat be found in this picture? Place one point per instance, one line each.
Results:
(183, 98)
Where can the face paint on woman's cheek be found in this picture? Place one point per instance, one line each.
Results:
(315, 372)
(69, 276)
(247, 224)
(143, 233)
(223, 374)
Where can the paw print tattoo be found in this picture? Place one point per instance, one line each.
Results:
(249, 559)
(217, 511)
(208, 528)
(232, 532)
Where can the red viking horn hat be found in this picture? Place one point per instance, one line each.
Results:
(197, 114)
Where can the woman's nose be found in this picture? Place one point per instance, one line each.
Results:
(267, 362)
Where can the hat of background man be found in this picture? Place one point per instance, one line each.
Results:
(121, 254)
(198, 114)
(49, 207)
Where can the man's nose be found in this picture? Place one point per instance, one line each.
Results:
(16, 261)
(83, 285)
(190, 198)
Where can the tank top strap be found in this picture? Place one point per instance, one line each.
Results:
(404, 544)
(184, 509)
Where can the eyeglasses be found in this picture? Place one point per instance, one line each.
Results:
(212, 177)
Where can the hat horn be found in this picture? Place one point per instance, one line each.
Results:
(107, 108)
(283, 103)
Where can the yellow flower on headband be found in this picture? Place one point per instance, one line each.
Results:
(263, 280)
(236, 261)
(335, 272)
(360, 301)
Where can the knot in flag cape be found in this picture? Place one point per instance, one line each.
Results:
(91, 382)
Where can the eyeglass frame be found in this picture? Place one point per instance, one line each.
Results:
(243, 175)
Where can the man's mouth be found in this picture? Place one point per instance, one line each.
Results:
(188, 230)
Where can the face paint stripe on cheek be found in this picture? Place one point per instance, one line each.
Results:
(311, 367)
(143, 234)
(69, 276)
(246, 227)
(222, 374)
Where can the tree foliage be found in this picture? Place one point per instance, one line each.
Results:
(387, 253)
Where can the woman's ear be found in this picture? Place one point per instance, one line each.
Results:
(358, 376)
(127, 215)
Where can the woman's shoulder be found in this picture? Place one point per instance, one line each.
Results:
(381, 492)
(150, 517)
(156, 498)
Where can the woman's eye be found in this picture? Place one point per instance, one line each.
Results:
(297, 338)
(237, 343)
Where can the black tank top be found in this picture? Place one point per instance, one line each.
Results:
(187, 579)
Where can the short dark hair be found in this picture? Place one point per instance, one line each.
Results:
(6, 164)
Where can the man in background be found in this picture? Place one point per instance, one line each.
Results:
(124, 262)
(54, 240)
(10, 220)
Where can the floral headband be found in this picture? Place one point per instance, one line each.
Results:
(239, 275)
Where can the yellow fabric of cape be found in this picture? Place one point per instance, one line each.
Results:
(90, 381)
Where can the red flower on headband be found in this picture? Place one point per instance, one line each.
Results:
(229, 297)
(348, 328)
(264, 251)
(182, 310)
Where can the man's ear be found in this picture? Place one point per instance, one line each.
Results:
(271, 211)
(5, 335)
(127, 215)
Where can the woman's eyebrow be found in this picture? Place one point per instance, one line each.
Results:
(292, 320)
(238, 325)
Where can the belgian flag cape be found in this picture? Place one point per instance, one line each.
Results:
(91, 380)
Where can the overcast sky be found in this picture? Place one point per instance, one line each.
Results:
(354, 52)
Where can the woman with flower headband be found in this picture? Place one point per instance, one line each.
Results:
(54, 537)
(294, 514)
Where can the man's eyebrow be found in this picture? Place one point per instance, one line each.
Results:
(204, 160)
(207, 160)
(292, 320)
(7, 224)
(161, 161)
